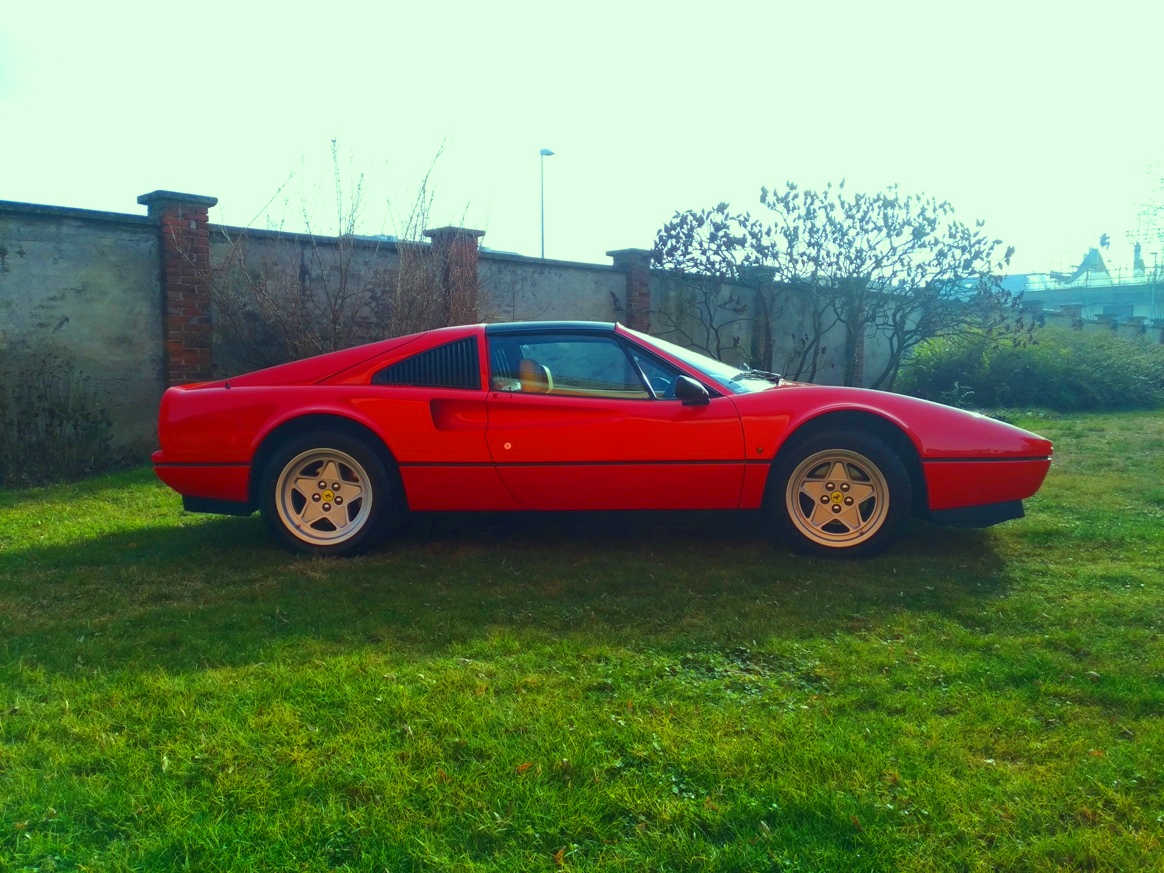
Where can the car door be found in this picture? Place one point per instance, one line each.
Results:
(431, 409)
(576, 423)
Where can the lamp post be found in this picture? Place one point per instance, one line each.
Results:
(543, 154)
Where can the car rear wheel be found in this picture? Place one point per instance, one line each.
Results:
(328, 493)
(840, 493)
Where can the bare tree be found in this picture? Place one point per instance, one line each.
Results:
(897, 267)
(710, 257)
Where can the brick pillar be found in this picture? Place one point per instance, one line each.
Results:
(185, 243)
(636, 264)
(456, 251)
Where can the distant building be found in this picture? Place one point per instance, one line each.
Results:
(1095, 291)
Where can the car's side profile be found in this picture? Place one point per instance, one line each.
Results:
(548, 416)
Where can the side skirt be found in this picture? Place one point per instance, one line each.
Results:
(216, 507)
(978, 516)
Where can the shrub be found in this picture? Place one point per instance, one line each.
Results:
(54, 423)
(1059, 369)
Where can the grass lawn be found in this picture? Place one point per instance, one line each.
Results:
(176, 693)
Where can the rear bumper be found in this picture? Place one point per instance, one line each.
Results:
(229, 483)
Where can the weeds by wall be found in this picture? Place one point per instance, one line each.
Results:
(280, 297)
(54, 422)
(278, 300)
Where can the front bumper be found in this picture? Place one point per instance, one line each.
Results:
(965, 483)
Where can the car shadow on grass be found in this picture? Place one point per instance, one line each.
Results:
(217, 592)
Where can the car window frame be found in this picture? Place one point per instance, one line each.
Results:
(513, 339)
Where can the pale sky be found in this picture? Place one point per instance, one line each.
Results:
(1041, 118)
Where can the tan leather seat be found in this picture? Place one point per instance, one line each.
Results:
(535, 379)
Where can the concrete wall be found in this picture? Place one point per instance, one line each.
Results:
(515, 288)
(87, 282)
(518, 288)
(129, 296)
(296, 251)
(325, 268)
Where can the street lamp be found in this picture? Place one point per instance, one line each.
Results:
(544, 153)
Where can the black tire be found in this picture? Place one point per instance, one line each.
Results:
(840, 494)
(306, 512)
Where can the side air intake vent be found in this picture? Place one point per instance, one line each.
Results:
(455, 365)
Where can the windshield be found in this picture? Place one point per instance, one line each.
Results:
(738, 379)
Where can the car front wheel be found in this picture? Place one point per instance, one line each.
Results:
(844, 494)
(327, 493)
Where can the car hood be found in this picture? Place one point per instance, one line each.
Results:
(938, 431)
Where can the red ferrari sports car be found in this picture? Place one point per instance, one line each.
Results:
(545, 416)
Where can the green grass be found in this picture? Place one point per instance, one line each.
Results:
(176, 693)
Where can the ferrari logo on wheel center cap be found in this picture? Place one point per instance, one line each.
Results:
(328, 495)
(836, 496)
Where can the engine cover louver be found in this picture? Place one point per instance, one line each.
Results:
(455, 365)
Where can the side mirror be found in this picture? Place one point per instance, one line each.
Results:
(692, 393)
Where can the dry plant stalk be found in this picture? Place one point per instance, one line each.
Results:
(279, 297)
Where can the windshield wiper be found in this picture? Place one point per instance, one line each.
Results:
(749, 373)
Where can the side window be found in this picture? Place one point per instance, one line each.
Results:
(660, 376)
(453, 365)
(578, 365)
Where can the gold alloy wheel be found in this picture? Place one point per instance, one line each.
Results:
(837, 498)
(323, 497)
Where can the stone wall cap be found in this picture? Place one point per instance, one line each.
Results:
(621, 253)
(40, 210)
(488, 255)
(455, 231)
(176, 197)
